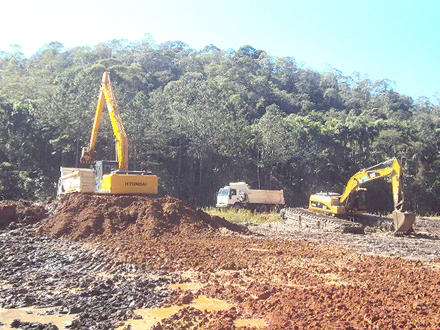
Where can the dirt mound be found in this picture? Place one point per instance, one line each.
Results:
(106, 216)
(146, 231)
(14, 214)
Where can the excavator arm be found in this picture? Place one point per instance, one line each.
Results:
(389, 168)
(88, 155)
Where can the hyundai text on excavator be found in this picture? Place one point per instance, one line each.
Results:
(351, 205)
(107, 176)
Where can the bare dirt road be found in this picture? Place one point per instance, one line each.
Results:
(107, 262)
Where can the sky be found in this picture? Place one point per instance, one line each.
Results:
(387, 39)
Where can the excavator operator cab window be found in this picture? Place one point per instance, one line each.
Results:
(103, 167)
(109, 167)
(361, 200)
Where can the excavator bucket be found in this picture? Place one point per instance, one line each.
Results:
(87, 157)
(403, 222)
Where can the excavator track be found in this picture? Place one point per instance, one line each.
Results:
(307, 219)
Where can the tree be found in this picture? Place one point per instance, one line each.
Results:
(24, 154)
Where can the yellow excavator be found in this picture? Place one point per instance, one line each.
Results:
(353, 200)
(107, 176)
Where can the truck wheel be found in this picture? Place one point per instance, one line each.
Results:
(251, 208)
(236, 207)
(263, 208)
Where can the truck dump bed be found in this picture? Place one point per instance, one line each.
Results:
(266, 196)
(76, 180)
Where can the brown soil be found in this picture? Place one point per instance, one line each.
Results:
(291, 283)
(17, 213)
(147, 231)
(86, 216)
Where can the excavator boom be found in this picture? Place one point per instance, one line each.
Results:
(106, 95)
(390, 168)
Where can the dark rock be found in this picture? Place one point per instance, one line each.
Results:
(32, 325)
(53, 267)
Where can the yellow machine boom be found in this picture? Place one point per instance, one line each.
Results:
(88, 155)
(390, 168)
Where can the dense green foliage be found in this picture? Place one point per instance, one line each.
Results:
(202, 118)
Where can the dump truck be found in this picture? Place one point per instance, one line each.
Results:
(239, 195)
(106, 176)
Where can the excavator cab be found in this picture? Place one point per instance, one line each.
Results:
(103, 167)
(358, 203)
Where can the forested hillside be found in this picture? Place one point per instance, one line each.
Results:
(202, 118)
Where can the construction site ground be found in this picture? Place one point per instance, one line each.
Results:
(127, 262)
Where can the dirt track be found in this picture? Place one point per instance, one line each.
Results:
(274, 273)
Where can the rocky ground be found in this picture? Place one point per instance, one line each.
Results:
(68, 278)
(103, 260)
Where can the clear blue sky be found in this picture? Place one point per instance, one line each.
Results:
(397, 40)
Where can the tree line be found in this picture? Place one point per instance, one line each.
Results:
(200, 119)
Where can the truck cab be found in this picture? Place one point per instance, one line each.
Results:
(226, 196)
(231, 195)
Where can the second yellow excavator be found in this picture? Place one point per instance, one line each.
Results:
(111, 177)
(353, 199)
